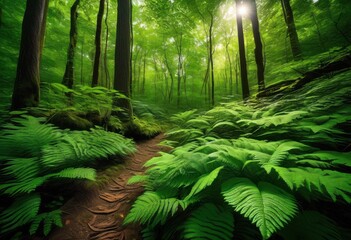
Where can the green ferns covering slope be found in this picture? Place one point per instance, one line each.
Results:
(34, 155)
(271, 167)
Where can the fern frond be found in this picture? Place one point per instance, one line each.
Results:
(150, 208)
(137, 179)
(209, 222)
(203, 182)
(277, 120)
(332, 183)
(29, 134)
(311, 225)
(13, 188)
(267, 206)
(80, 173)
(183, 117)
(22, 168)
(49, 219)
(338, 158)
(21, 212)
(256, 145)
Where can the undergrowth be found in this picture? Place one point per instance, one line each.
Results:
(255, 170)
(35, 156)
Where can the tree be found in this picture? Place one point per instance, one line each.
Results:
(26, 91)
(68, 77)
(241, 42)
(291, 29)
(122, 54)
(98, 44)
(258, 46)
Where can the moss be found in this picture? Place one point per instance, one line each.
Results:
(70, 120)
(142, 128)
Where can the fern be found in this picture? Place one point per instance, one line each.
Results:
(49, 219)
(30, 135)
(209, 222)
(332, 183)
(311, 225)
(72, 173)
(152, 209)
(36, 153)
(203, 182)
(266, 205)
(21, 212)
(276, 120)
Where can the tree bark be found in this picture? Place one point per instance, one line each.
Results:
(26, 92)
(230, 69)
(291, 28)
(122, 56)
(258, 46)
(170, 93)
(180, 66)
(241, 41)
(107, 73)
(100, 15)
(68, 77)
(211, 61)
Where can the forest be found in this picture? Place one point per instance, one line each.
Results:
(175, 119)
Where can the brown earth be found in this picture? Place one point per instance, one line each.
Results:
(98, 212)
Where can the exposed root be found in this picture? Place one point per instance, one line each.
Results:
(111, 198)
(104, 210)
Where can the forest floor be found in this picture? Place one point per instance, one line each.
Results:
(98, 212)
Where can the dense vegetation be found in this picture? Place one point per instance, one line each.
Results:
(254, 97)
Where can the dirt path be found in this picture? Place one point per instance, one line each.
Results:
(98, 213)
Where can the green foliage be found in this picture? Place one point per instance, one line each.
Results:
(200, 224)
(311, 225)
(266, 205)
(151, 208)
(260, 159)
(34, 154)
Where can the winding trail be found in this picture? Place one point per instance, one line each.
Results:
(98, 213)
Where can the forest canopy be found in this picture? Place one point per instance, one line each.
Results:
(249, 100)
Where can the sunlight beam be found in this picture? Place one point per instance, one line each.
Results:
(243, 10)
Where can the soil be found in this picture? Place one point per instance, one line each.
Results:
(98, 212)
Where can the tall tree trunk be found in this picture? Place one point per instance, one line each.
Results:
(134, 68)
(144, 75)
(258, 46)
(82, 62)
(237, 73)
(241, 40)
(26, 92)
(170, 93)
(100, 15)
(122, 55)
(180, 67)
(107, 73)
(291, 29)
(68, 77)
(131, 90)
(211, 60)
(230, 69)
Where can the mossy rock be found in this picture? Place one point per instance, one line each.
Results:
(140, 129)
(70, 120)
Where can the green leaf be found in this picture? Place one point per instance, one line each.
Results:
(203, 182)
(82, 173)
(267, 206)
(332, 183)
(151, 208)
(21, 212)
(209, 222)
